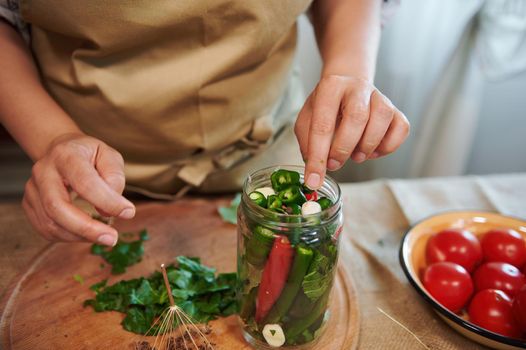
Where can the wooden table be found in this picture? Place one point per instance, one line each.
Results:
(377, 214)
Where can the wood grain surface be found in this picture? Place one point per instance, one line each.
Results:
(42, 308)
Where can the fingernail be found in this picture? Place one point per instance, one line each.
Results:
(127, 213)
(107, 239)
(313, 181)
(333, 164)
(359, 157)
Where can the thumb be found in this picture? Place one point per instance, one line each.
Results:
(110, 166)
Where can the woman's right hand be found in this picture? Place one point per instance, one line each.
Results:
(95, 171)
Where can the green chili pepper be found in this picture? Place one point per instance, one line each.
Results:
(264, 234)
(258, 198)
(282, 178)
(292, 194)
(259, 245)
(324, 203)
(274, 203)
(317, 324)
(278, 208)
(302, 260)
(294, 236)
(306, 189)
(295, 232)
(301, 306)
(294, 209)
(299, 325)
(248, 303)
(308, 334)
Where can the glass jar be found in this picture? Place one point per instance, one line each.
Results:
(286, 266)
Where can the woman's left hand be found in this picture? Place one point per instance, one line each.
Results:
(346, 117)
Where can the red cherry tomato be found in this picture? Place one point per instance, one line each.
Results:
(504, 245)
(501, 276)
(457, 246)
(313, 196)
(449, 283)
(492, 309)
(519, 309)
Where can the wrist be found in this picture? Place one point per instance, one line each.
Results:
(56, 139)
(64, 136)
(349, 69)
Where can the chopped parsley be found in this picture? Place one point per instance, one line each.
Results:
(196, 288)
(123, 254)
(229, 214)
(78, 278)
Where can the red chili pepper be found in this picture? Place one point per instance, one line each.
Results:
(313, 196)
(274, 276)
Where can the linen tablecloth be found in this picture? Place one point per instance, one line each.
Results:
(377, 214)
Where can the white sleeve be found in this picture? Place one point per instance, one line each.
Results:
(10, 12)
(501, 40)
(389, 8)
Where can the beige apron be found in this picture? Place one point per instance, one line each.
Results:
(182, 88)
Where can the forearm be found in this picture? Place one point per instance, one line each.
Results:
(27, 111)
(348, 35)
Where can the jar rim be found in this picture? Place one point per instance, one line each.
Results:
(328, 213)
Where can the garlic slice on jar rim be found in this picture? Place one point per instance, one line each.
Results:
(310, 207)
(273, 334)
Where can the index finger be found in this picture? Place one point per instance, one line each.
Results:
(58, 206)
(86, 181)
(326, 108)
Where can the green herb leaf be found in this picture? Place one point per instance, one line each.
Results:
(229, 214)
(196, 288)
(123, 254)
(181, 278)
(144, 295)
(98, 286)
(143, 235)
(138, 320)
(78, 278)
(194, 265)
(97, 249)
(181, 294)
(318, 277)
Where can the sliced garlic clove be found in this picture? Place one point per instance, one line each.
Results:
(273, 334)
(266, 191)
(310, 207)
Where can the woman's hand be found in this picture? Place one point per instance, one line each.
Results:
(65, 158)
(346, 117)
(90, 168)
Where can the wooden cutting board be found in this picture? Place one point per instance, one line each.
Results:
(42, 309)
